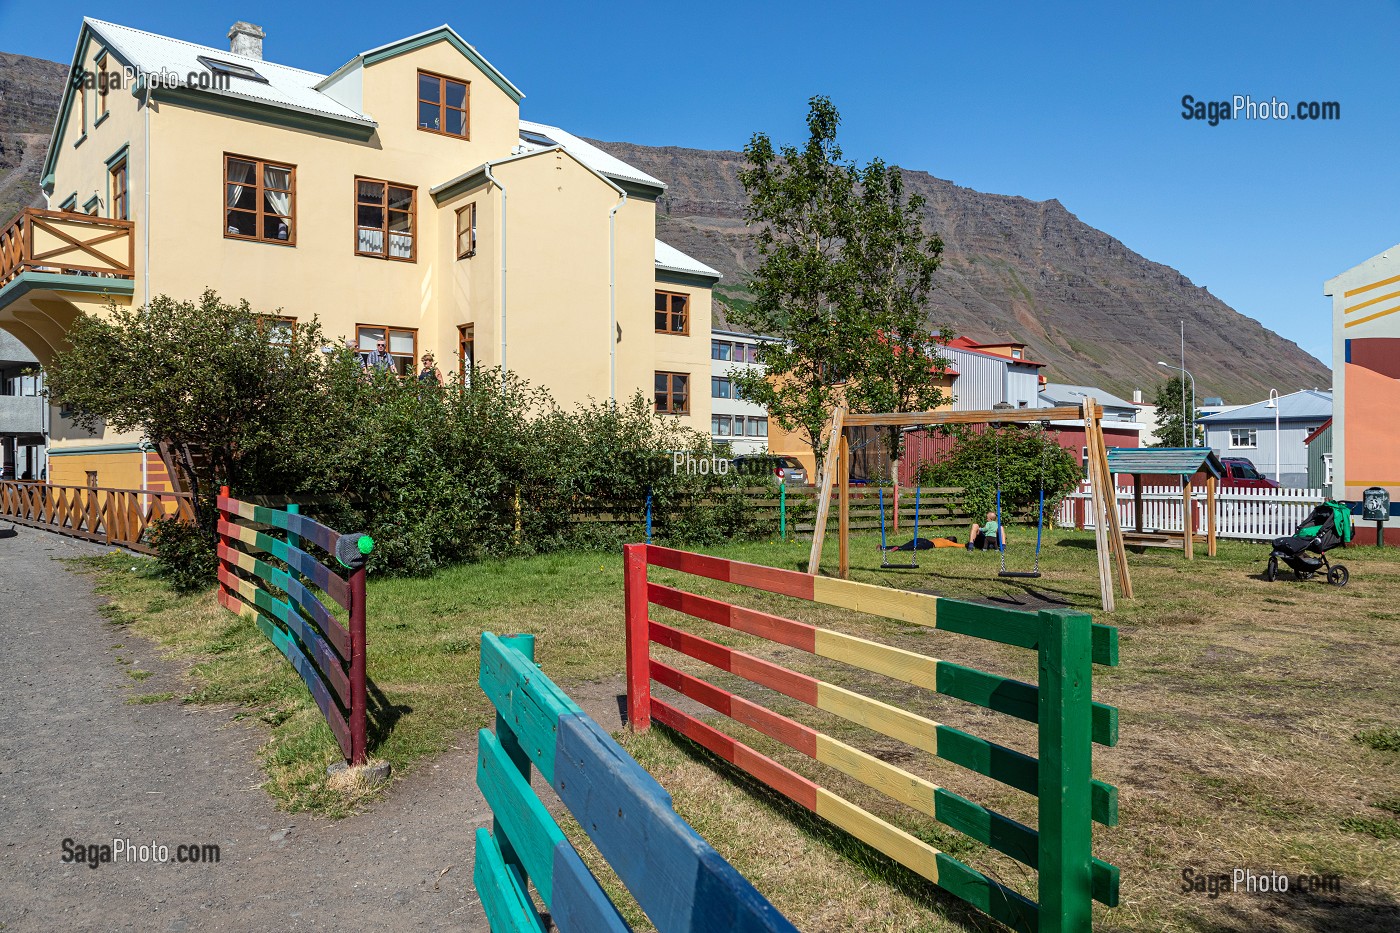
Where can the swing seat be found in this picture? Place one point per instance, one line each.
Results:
(1026, 574)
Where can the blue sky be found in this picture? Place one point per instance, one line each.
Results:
(1082, 104)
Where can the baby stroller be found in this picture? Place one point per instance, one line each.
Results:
(1326, 527)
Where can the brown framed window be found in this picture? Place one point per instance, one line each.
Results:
(673, 393)
(442, 104)
(466, 349)
(279, 329)
(466, 231)
(386, 220)
(260, 200)
(401, 343)
(121, 201)
(672, 313)
(101, 94)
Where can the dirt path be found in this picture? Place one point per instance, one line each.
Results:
(77, 761)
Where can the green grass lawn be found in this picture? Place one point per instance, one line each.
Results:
(1260, 723)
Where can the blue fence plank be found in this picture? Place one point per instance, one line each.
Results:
(579, 905)
(508, 907)
(681, 883)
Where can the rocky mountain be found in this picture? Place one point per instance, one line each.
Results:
(29, 95)
(1098, 313)
(1094, 310)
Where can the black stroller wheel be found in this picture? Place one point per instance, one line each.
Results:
(1338, 575)
(1271, 571)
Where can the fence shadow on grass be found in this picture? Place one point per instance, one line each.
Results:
(872, 862)
(1369, 911)
(381, 715)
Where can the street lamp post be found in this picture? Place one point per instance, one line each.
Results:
(1274, 404)
(1193, 403)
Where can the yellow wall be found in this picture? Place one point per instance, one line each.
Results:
(114, 470)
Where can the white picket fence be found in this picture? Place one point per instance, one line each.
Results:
(1248, 514)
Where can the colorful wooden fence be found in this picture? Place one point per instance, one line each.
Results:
(679, 881)
(1069, 721)
(281, 599)
(107, 516)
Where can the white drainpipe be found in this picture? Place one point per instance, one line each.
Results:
(496, 181)
(146, 197)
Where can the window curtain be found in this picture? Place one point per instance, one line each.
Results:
(278, 202)
(239, 175)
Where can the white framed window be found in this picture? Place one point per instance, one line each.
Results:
(1326, 470)
(1243, 438)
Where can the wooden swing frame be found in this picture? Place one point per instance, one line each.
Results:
(1108, 532)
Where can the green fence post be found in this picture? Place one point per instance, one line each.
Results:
(525, 644)
(782, 510)
(1066, 765)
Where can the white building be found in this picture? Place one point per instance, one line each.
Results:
(741, 424)
(1259, 432)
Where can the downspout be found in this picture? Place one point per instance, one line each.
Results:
(497, 182)
(612, 289)
(146, 198)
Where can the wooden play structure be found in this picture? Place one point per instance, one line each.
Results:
(1192, 465)
(1112, 556)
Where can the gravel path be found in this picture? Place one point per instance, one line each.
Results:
(77, 761)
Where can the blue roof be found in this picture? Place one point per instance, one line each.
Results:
(1173, 461)
(1307, 405)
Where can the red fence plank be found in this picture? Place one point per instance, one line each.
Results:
(765, 673)
(798, 635)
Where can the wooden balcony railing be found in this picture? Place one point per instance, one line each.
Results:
(107, 516)
(37, 240)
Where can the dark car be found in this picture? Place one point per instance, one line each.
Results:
(1240, 473)
(787, 470)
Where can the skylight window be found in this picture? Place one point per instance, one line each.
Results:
(232, 69)
(536, 139)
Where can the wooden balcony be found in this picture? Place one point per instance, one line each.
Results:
(66, 242)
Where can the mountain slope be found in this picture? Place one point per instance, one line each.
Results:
(29, 95)
(1097, 312)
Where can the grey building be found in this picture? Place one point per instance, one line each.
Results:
(985, 379)
(1249, 431)
(735, 421)
(23, 413)
(1320, 472)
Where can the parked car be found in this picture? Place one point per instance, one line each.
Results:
(788, 470)
(1240, 473)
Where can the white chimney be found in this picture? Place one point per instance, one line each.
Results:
(246, 39)
(1137, 396)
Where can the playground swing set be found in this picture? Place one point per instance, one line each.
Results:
(1108, 534)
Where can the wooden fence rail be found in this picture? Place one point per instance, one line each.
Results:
(329, 656)
(1069, 722)
(109, 516)
(681, 883)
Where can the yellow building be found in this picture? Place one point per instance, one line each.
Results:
(400, 199)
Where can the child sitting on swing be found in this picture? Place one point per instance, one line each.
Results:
(988, 536)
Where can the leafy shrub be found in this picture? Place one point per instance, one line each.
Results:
(186, 554)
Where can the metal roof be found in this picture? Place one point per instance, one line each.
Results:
(1060, 393)
(1307, 405)
(589, 154)
(670, 259)
(288, 87)
(1172, 461)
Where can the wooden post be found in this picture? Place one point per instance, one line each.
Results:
(1188, 520)
(638, 636)
(896, 499)
(1098, 491)
(843, 548)
(358, 694)
(1117, 549)
(1137, 502)
(1079, 510)
(1210, 515)
(1066, 765)
(814, 559)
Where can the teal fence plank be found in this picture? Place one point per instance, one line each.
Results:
(508, 907)
(524, 821)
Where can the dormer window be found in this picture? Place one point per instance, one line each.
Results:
(442, 105)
